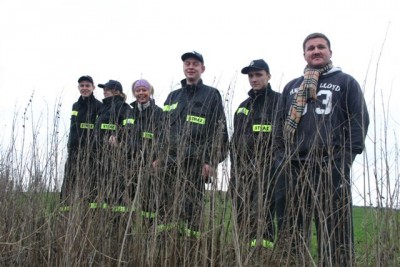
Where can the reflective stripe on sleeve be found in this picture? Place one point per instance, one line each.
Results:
(168, 108)
(128, 121)
(74, 113)
(245, 111)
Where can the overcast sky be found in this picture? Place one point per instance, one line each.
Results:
(47, 44)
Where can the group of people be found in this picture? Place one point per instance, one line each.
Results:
(291, 152)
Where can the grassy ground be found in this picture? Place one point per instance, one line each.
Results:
(33, 230)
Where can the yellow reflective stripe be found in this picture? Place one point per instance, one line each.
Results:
(128, 121)
(87, 126)
(74, 113)
(196, 119)
(119, 209)
(264, 243)
(191, 233)
(147, 135)
(65, 208)
(266, 128)
(245, 111)
(148, 214)
(168, 108)
(267, 244)
(105, 126)
(165, 227)
(94, 205)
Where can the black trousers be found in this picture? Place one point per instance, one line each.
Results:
(79, 172)
(253, 202)
(319, 190)
(183, 191)
(111, 174)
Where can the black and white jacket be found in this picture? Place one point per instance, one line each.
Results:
(336, 122)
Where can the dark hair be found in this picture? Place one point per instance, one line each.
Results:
(316, 35)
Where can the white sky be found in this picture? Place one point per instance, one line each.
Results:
(46, 45)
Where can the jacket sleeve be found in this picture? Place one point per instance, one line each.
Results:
(220, 139)
(157, 128)
(242, 140)
(73, 138)
(358, 118)
(278, 141)
(124, 123)
(162, 138)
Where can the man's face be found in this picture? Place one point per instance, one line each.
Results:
(142, 94)
(258, 79)
(192, 68)
(85, 88)
(317, 53)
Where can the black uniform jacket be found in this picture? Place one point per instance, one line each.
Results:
(145, 130)
(254, 123)
(114, 117)
(194, 125)
(83, 118)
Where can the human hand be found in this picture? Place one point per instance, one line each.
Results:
(113, 141)
(207, 171)
(155, 164)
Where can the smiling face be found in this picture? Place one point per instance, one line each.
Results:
(193, 68)
(317, 53)
(142, 94)
(258, 79)
(86, 88)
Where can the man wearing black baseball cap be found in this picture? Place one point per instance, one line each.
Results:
(83, 117)
(195, 142)
(252, 180)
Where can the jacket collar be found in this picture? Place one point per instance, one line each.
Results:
(142, 107)
(264, 91)
(191, 87)
(111, 99)
(88, 99)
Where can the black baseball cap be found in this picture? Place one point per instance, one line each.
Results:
(112, 84)
(257, 64)
(193, 54)
(86, 78)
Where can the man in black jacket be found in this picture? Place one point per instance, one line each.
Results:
(83, 117)
(194, 141)
(323, 125)
(252, 176)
